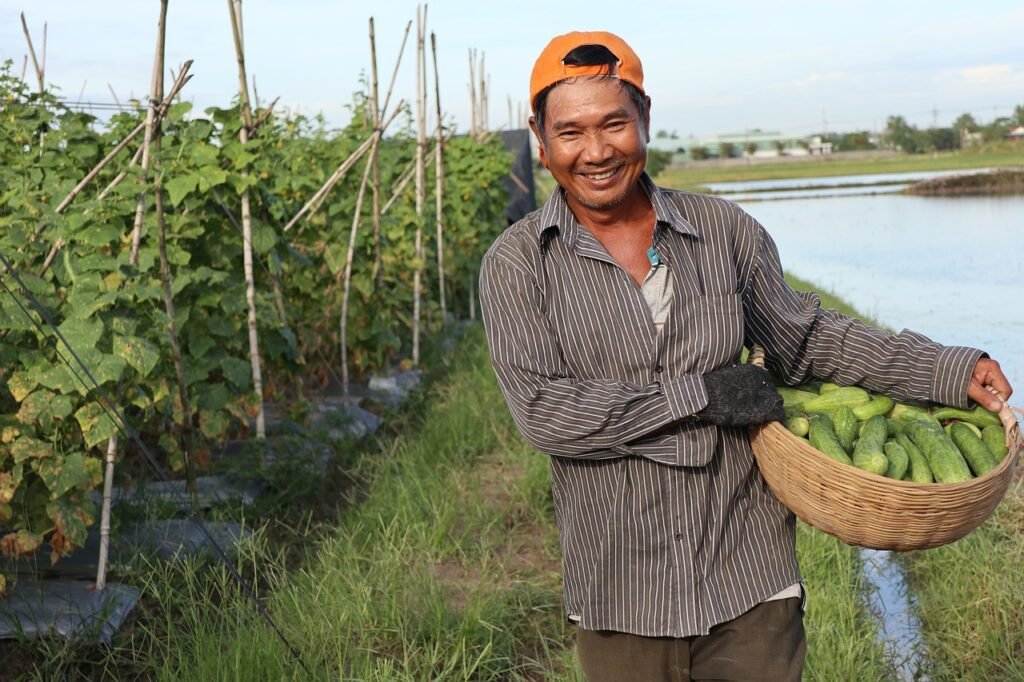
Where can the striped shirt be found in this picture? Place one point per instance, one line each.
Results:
(665, 524)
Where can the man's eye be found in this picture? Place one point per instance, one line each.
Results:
(568, 134)
(616, 125)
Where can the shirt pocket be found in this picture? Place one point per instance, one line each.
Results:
(715, 330)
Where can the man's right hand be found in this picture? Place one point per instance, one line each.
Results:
(740, 396)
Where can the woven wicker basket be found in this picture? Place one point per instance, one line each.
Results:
(868, 510)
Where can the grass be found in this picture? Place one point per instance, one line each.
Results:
(970, 602)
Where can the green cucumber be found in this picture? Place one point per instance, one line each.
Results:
(868, 454)
(794, 397)
(879, 404)
(822, 437)
(844, 423)
(899, 460)
(798, 426)
(979, 416)
(906, 413)
(945, 460)
(849, 396)
(918, 469)
(973, 448)
(995, 439)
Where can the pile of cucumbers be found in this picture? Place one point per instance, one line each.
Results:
(897, 440)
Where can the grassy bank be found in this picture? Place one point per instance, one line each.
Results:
(970, 601)
(697, 174)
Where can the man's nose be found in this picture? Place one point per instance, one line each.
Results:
(596, 149)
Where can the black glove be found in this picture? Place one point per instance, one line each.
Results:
(740, 396)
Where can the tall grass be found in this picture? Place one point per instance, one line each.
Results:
(970, 600)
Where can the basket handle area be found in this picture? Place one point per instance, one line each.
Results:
(756, 356)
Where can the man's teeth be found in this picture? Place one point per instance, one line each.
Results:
(601, 176)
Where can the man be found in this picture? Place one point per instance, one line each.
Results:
(616, 316)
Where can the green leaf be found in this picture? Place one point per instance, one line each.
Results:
(98, 235)
(336, 256)
(238, 372)
(213, 397)
(72, 515)
(95, 424)
(211, 176)
(203, 154)
(26, 447)
(142, 355)
(81, 333)
(62, 474)
(181, 186)
(198, 343)
(213, 424)
(263, 238)
(220, 326)
(21, 384)
(44, 407)
(60, 379)
(9, 482)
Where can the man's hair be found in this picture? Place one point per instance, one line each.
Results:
(591, 55)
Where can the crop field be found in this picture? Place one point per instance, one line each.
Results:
(193, 298)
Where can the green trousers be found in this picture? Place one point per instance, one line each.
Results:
(765, 643)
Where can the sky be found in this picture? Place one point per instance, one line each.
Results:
(711, 67)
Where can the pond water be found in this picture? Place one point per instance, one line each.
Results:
(949, 268)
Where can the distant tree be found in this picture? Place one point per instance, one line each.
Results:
(726, 150)
(750, 148)
(942, 139)
(996, 130)
(901, 135)
(657, 161)
(1018, 115)
(851, 142)
(661, 135)
(698, 153)
(780, 147)
(965, 123)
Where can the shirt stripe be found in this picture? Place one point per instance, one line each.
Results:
(665, 524)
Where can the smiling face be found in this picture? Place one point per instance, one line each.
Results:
(594, 143)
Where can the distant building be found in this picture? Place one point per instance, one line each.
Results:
(1015, 134)
(754, 143)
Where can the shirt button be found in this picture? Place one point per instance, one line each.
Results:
(657, 369)
(679, 536)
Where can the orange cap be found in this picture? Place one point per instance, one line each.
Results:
(550, 69)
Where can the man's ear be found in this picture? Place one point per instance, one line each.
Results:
(540, 142)
(647, 118)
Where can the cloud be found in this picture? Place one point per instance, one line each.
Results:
(993, 78)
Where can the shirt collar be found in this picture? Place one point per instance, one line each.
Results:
(556, 216)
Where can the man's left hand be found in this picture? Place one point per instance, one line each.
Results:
(988, 374)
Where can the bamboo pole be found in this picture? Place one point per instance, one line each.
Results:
(40, 73)
(472, 93)
(154, 101)
(439, 183)
(404, 179)
(314, 201)
(108, 489)
(235, 10)
(421, 188)
(188, 436)
(378, 264)
(347, 278)
(179, 83)
(394, 74)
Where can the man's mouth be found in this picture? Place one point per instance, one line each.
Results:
(600, 175)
